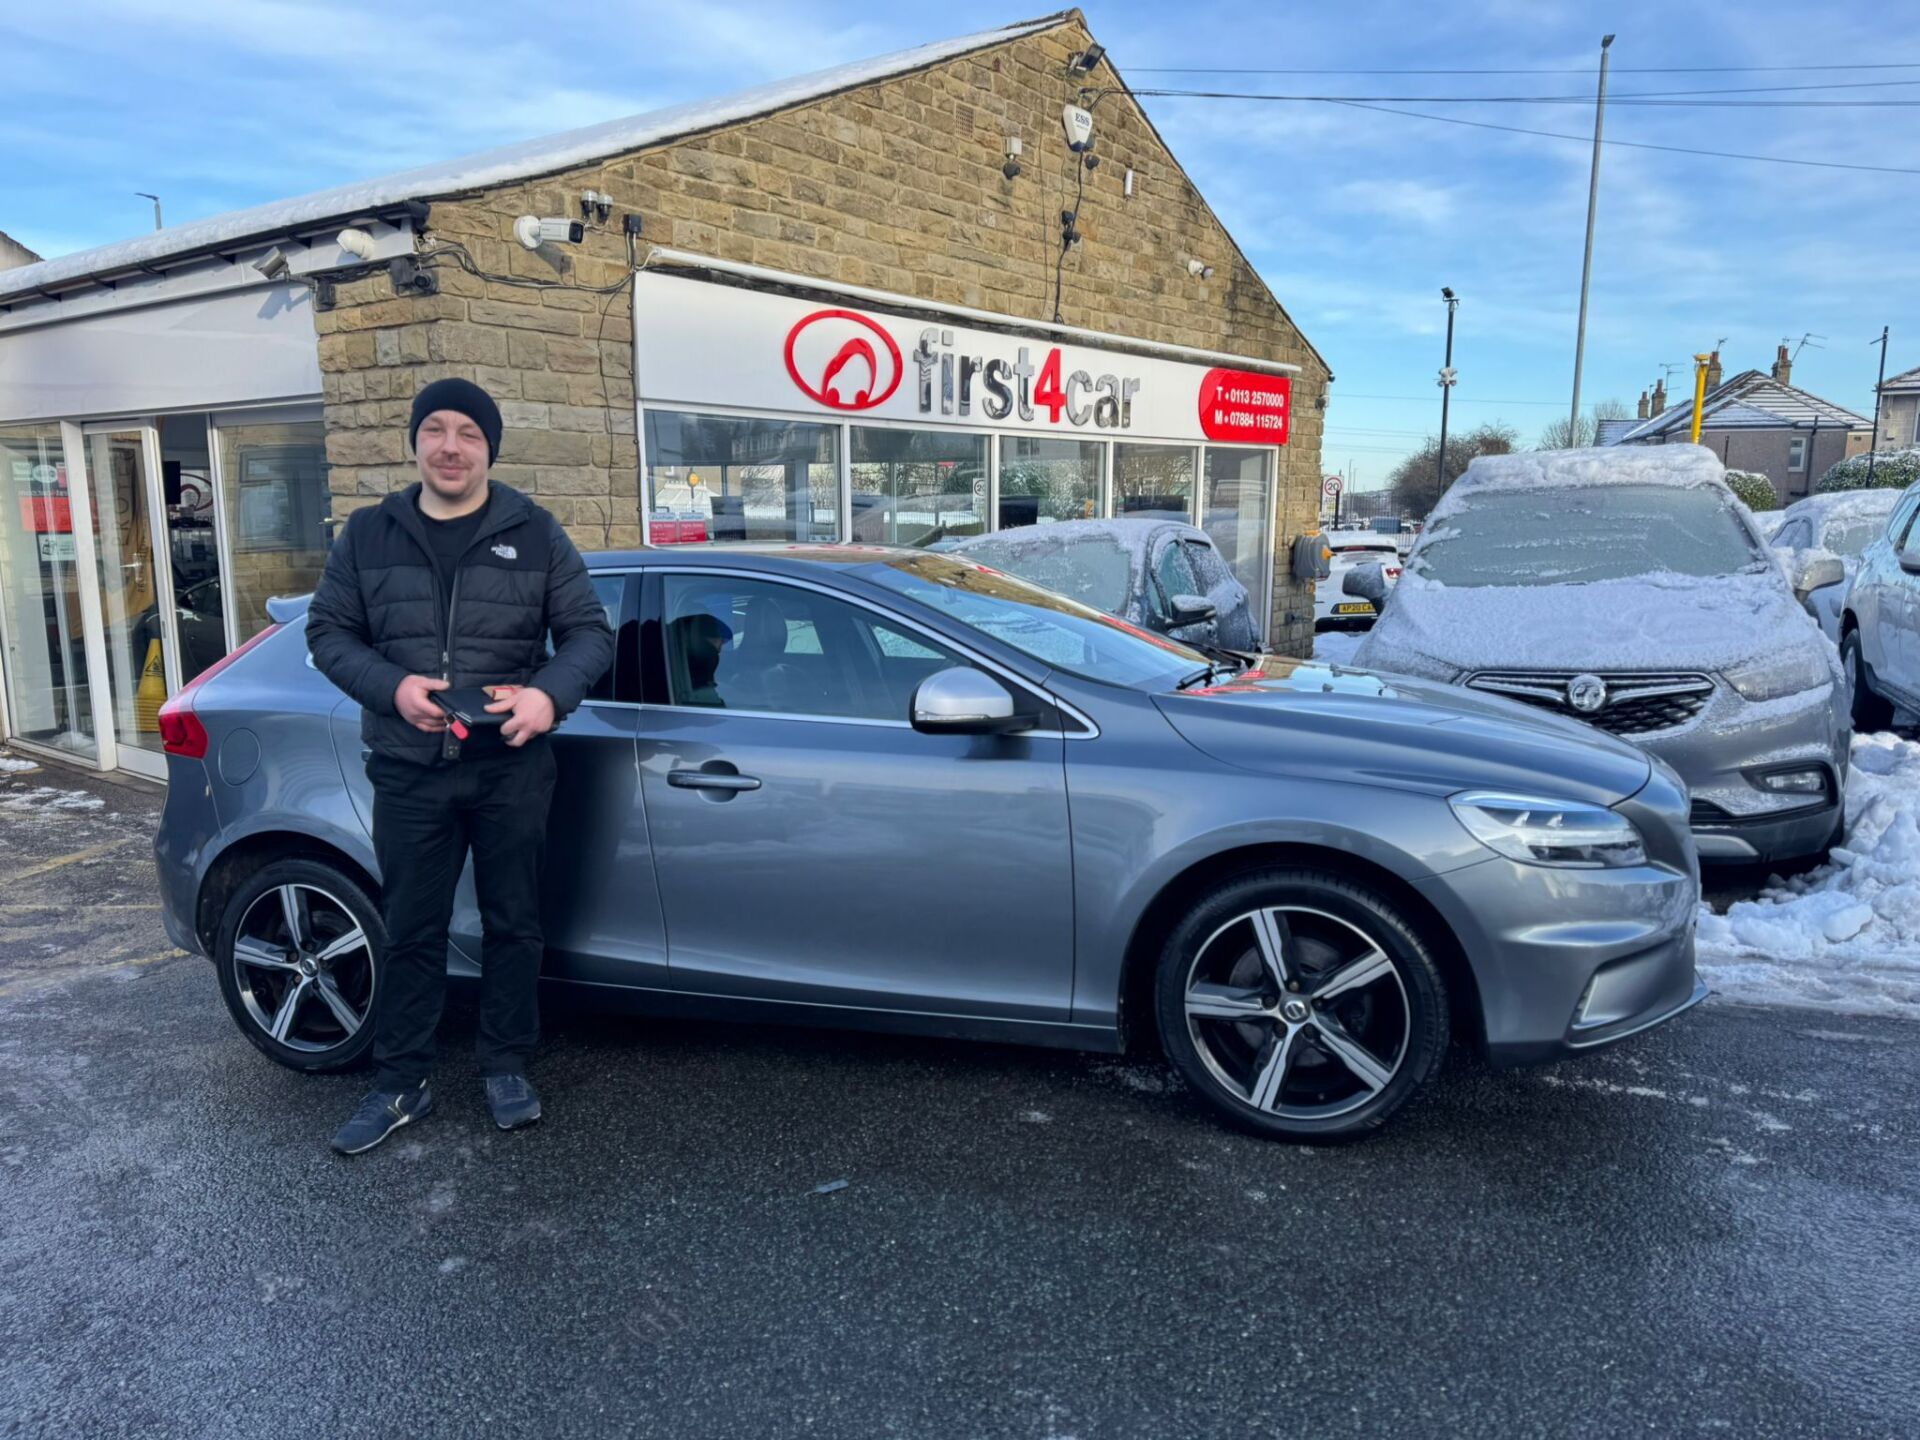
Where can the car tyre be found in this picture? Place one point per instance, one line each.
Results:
(298, 954)
(1870, 710)
(1323, 1046)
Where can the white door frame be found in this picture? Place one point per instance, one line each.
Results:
(133, 757)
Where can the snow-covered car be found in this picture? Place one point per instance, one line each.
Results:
(1629, 588)
(1333, 608)
(1161, 575)
(1880, 620)
(1840, 525)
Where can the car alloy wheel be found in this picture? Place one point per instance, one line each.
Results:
(1301, 1005)
(1297, 1012)
(298, 955)
(303, 968)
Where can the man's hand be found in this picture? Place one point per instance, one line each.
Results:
(410, 699)
(529, 712)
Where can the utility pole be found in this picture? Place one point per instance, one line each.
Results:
(156, 206)
(1447, 378)
(1700, 363)
(1873, 445)
(1586, 265)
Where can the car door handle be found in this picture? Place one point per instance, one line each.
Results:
(710, 780)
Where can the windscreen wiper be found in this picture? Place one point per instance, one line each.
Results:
(1199, 677)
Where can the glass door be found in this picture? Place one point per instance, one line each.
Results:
(136, 589)
(49, 701)
(1236, 512)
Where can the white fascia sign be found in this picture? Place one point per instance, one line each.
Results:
(700, 344)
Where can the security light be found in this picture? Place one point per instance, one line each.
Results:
(1199, 269)
(1083, 61)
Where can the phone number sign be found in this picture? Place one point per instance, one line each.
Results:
(1241, 407)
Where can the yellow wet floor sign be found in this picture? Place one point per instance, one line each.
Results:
(152, 693)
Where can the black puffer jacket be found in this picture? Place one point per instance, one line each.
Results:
(378, 615)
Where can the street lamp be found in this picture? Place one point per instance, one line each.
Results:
(1447, 378)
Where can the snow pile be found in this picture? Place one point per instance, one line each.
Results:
(11, 765)
(1336, 647)
(1847, 936)
(46, 797)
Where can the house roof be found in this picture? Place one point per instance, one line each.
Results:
(1751, 400)
(1905, 381)
(509, 163)
(1608, 432)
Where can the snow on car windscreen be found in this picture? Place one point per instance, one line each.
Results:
(1850, 537)
(1051, 628)
(1541, 536)
(1091, 569)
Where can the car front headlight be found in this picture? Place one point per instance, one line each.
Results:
(1768, 677)
(1537, 831)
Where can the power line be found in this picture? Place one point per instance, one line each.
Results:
(1634, 144)
(1338, 394)
(1643, 98)
(1586, 70)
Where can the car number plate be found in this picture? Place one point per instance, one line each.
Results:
(1354, 607)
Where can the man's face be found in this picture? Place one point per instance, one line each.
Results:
(451, 452)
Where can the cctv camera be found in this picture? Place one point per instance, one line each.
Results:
(1446, 292)
(533, 232)
(273, 264)
(1199, 269)
(1011, 169)
(355, 242)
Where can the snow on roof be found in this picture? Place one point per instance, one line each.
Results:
(1682, 465)
(1904, 381)
(1751, 400)
(1608, 432)
(489, 168)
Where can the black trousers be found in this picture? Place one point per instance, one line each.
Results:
(425, 820)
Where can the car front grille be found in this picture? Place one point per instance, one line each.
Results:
(1705, 812)
(1637, 702)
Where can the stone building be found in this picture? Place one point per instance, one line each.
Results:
(882, 302)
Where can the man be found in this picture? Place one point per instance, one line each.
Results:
(456, 582)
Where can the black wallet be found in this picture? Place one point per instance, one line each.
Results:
(466, 709)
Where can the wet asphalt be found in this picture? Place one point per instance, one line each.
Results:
(1713, 1229)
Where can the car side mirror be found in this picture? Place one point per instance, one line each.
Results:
(1814, 570)
(1910, 562)
(962, 701)
(1192, 609)
(1369, 582)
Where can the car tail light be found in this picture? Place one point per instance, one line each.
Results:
(181, 732)
(1393, 572)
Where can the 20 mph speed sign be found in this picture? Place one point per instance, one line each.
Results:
(1332, 486)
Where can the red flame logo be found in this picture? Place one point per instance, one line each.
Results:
(838, 347)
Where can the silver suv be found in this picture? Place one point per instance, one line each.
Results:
(1880, 620)
(1629, 588)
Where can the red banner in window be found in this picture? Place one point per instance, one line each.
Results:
(46, 514)
(1243, 408)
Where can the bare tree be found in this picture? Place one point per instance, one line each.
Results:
(1416, 489)
(1564, 435)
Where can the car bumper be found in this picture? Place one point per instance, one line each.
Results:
(188, 825)
(1567, 960)
(1719, 754)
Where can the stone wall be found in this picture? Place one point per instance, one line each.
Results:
(895, 185)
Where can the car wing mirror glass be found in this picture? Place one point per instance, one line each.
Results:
(1814, 570)
(964, 701)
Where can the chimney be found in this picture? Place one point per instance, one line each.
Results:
(1783, 366)
(1713, 371)
(1643, 405)
(1660, 396)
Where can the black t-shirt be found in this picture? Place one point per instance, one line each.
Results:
(449, 539)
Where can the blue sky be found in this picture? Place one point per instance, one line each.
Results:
(1355, 219)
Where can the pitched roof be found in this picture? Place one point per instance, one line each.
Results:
(489, 168)
(1906, 380)
(1608, 432)
(1751, 400)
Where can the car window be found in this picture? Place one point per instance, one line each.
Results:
(1794, 535)
(1902, 519)
(1849, 535)
(1093, 569)
(1174, 571)
(1208, 567)
(607, 589)
(762, 646)
(1577, 535)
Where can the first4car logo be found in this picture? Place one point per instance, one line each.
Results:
(843, 360)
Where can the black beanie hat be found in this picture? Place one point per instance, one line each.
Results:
(465, 397)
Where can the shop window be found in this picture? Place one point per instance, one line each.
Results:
(277, 503)
(47, 693)
(1236, 506)
(716, 477)
(1043, 479)
(917, 487)
(1153, 482)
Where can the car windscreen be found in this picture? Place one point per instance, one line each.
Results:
(1582, 534)
(1851, 535)
(1050, 628)
(1091, 569)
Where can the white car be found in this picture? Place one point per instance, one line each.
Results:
(1627, 587)
(1880, 620)
(1842, 525)
(1332, 607)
